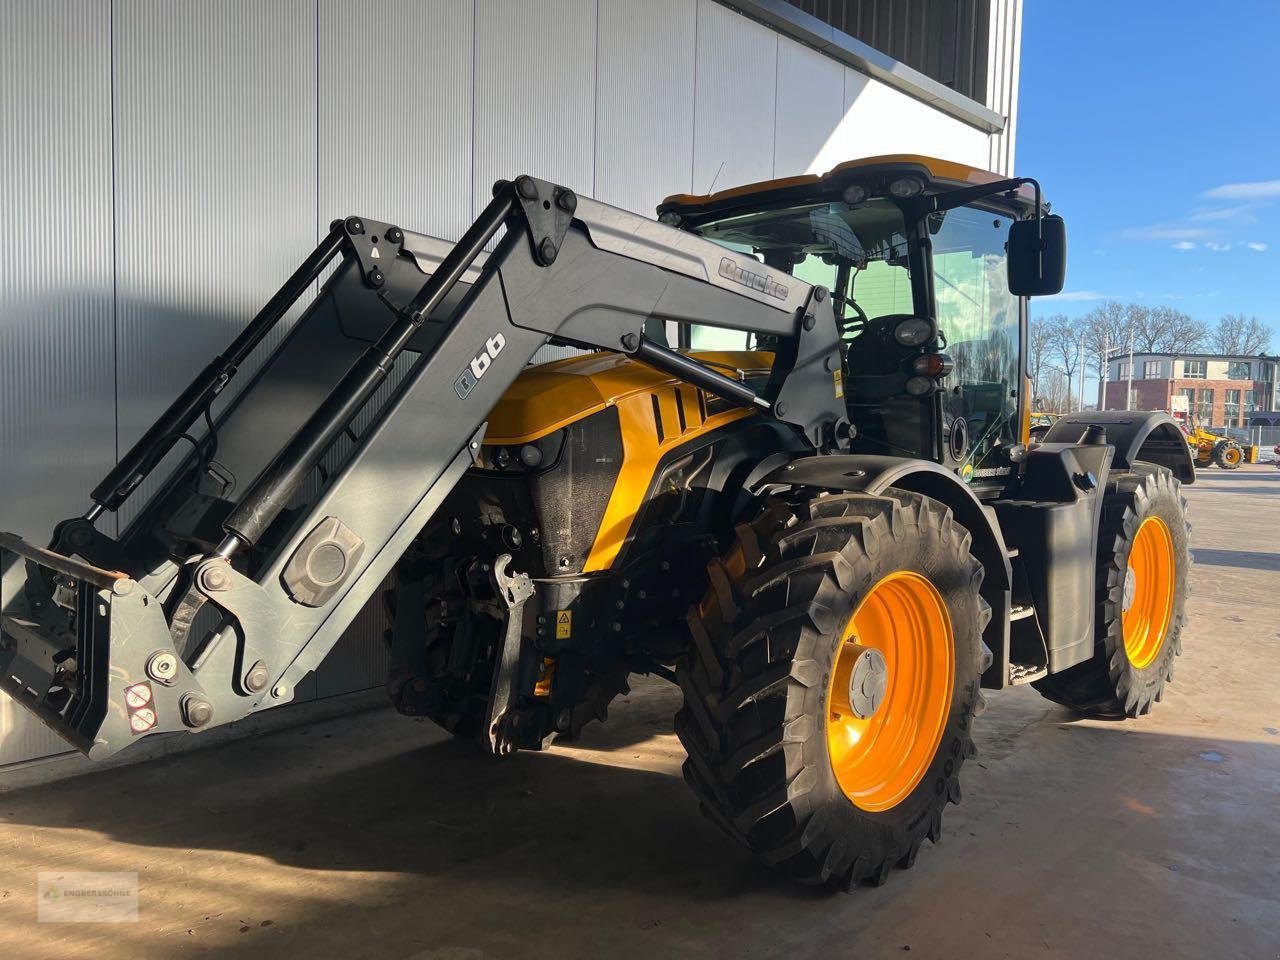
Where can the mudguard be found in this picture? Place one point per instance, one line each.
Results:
(874, 474)
(1151, 436)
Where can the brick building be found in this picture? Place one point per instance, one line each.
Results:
(1221, 391)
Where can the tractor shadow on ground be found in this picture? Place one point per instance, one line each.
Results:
(437, 808)
(1246, 559)
(1254, 491)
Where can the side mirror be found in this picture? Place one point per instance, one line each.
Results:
(1037, 266)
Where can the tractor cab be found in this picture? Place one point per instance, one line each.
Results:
(925, 284)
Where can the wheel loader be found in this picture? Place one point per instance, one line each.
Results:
(1211, 449)
(789, 470)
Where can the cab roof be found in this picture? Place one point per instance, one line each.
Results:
(873, 172)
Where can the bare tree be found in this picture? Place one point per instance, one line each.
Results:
(1064, 347)
(1181, 333)
(1053, 392)
(1039, 344)
(1146, 333)
(1164, 330)
(1106, 330)
(1241, 335)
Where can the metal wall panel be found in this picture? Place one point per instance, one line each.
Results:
(215, 149)
(57, 406)
(734, 93)
(943, 39)
(184, 156)
(534, 94)
(644, 143)
(1004, 58)
(810, 106)
(395, 113)
(879, 120)
(394, 140)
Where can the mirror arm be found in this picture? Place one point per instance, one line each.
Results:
(958, 198)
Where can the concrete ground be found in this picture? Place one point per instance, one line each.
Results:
(374, 836)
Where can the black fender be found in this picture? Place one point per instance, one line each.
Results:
(874, 474)
(1151, 436)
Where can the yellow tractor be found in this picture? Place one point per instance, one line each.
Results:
(1041, 421)
(828, 527)
(1209, 448)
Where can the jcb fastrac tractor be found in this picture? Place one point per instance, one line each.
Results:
(790, 472)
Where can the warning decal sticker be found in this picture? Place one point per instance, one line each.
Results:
(564, 624)
(142, 712)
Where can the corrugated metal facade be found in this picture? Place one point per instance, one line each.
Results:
(184, 156)
(946, 40)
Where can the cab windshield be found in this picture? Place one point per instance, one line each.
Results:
(862, 254)
(858, 253)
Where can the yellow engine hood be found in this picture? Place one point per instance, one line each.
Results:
(551, 395)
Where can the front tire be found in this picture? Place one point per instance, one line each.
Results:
(831, 684)
(1143, 565)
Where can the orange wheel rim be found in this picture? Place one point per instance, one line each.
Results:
(890, 691)
(1231, 456)
(1148, 592)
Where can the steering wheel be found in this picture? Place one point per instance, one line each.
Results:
(846, 324)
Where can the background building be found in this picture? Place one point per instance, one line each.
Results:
(165, 164)
(1221, 391)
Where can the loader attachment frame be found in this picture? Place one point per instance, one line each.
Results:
(249, 561)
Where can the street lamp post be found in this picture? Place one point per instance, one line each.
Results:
(1104, 374)
(1128, 400)
(1082, 368)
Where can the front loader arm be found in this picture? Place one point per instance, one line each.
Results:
(245, 567)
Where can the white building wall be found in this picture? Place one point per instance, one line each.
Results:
(184, 156)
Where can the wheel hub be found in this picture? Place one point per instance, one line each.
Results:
(868, 682)
(889, 696)
(1150, 583)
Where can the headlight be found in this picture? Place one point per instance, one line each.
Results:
(530, 455)
(670, 218)
(913, 332)
(854, 194)
(920, 386)
(905, 187)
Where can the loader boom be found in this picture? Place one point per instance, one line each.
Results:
(246, 565)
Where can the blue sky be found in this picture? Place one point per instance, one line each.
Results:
(1155, 130)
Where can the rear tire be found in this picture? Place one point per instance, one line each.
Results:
(1228, 455)
(1124, 678)
(759, 694)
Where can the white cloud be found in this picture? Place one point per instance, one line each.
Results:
(1218, 247)
(1259, 247)
(1183, 245)
(1222, 213)
(1164, 231)
(1253, 190)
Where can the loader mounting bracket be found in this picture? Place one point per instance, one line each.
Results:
(80, 537)
(548, 211)
(806, 384)
(375, 244)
